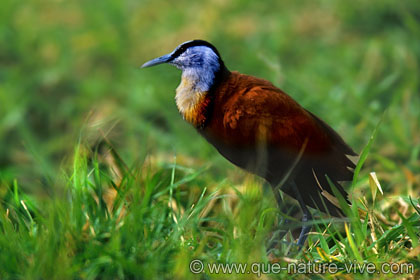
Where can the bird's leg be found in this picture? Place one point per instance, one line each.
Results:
(307, 217)
(279, 234)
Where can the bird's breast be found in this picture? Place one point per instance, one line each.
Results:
(192, 103)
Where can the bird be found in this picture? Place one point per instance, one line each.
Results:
(261, 129)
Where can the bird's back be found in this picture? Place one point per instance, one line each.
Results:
(260, 128)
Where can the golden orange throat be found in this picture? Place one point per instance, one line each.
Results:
(191, 103)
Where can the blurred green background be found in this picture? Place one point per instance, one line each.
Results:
(69, 72)
(70, 78)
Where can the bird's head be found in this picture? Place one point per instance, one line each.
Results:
(201, 67)
(195, 55)
(199, 61)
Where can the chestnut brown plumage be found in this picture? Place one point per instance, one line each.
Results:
(259, 128)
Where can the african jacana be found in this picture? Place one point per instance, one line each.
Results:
(259, 128)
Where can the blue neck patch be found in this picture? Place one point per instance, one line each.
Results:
(199, 64)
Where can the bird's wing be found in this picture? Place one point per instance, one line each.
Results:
(262, 113)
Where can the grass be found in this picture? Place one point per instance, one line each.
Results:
(144, 221)
(101, 179)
